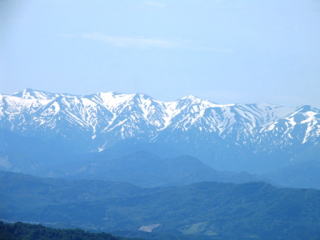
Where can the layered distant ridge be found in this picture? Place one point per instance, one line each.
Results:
(103, 120)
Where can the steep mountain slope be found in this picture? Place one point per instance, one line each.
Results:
(217, 210)
(300, 127)
(129, 115)
(251, 137)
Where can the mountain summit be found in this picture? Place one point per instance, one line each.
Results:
(217, 133)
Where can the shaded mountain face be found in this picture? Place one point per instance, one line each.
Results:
(215, 210)
(37, 127)
(146, 170)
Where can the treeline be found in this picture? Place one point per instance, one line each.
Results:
(23, 231)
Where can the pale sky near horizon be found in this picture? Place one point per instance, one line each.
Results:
(223, 50)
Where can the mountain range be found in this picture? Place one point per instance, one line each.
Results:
(139, 167)
(206, 210)
(109, 117)
(39, 128)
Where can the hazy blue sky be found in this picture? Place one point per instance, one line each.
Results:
(224, 50)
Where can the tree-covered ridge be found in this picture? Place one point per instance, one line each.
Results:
(24, 231)
(218, 211)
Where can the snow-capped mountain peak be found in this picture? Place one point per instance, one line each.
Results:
(111, 100)
(29, 93)
(112, 116)
(299, 127)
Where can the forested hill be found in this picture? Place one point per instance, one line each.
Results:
(23, 231)
(221, 211)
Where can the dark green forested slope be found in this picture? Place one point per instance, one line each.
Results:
(23, 231)
(214, 210)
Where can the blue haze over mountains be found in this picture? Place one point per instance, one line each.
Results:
(224, 50)
(237, 159)
(121, 137)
